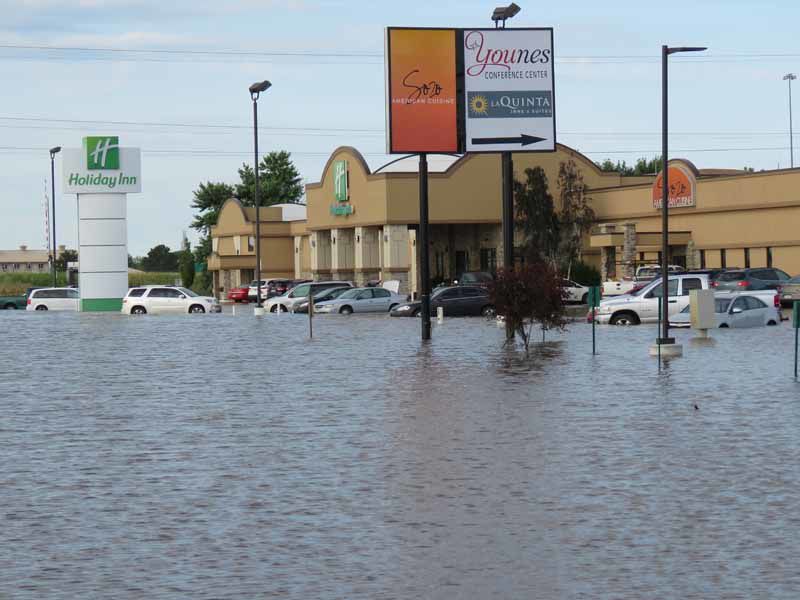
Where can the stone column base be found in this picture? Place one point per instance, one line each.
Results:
(342, 276)
(361, 278)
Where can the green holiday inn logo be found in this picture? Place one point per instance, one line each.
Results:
(340, 187)
(102, 153)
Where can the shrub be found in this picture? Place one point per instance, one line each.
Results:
(585, 274)
(529, 295)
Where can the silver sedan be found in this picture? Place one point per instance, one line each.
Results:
(361, 300)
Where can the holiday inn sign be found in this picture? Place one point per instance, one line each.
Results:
(102, 166)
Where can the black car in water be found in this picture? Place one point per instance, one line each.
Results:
(456, 300)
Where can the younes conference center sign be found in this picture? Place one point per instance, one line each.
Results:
(470, 90)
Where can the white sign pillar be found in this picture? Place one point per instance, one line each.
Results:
(102, 174)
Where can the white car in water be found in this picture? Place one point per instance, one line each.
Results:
(641, 306)
(371, 299)
(164, 299)
(54, 299)
(738, 310)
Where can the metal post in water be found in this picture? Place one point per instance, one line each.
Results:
(423, 248)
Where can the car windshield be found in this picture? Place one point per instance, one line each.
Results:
(351, 294)
(188, 292)
(731, 276)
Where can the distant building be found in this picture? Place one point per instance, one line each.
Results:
(25, 260)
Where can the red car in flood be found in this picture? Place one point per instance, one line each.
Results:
(238, 294)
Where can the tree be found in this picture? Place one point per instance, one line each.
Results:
(160, 258)
(643, 166)
(576, 217)
(208, 200)
(535, 216)
(529, 295)
(279, 181)
(186, 262)
(67, 256)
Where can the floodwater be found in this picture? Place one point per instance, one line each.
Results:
(222, 456)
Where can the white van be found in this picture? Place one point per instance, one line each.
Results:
(641, 306)
(54, 299)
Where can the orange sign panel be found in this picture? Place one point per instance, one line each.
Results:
(682, 186)
(421, 83)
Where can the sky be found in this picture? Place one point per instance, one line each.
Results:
(172, 78)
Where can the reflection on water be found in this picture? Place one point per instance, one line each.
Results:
(225, 457)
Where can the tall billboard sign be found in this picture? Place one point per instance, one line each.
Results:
(102, 174)
(509, 92)
(422, 111)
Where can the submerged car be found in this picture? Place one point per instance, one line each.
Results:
(358, 300)
(456, 301)
(737, 310)
(161, 299)
(299, 294)
(323, 296)
(239, 294)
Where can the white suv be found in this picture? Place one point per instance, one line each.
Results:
(53, 299)
(642, 305)
(162, 299)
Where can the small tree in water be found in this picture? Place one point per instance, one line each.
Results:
(530, 295)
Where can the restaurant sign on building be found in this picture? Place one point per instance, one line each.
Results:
(682, 187)
(341, 190)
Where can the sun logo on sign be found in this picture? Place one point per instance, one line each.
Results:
(479, 105)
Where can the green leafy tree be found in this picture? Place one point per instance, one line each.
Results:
(67, 256)
(160, 259)
(529, 295)
(576, 216)
(186, 263)
(643, 166)
(279, 181)
(535, 216)
(208, 200)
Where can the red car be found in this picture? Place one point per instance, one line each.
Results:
(238, 294)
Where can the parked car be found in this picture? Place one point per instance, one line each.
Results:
(644, 275)
(162, 299)
(480, 278)
(324, 295)
(297, 294)
(648, 272)
(456, 301)
(239, 294)
(736, 310)
(358, 300)
(790, 290)
(53, 299)
(13, 302)
(642, 306)
(278, 287)
(576, 292)
(743, 280)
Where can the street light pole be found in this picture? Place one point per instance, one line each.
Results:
(664, 338)
(53, 151)
(790, 77)
(255, 92)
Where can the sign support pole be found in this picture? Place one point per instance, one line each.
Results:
(423, 248)
(507, 168)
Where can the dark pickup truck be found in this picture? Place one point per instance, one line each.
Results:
(13, 302)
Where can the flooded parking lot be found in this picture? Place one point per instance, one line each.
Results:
(222, 456)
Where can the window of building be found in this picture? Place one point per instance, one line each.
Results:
(214, 244)
(702, 259)
(439, 267)
(251, 243)
(723, 262)
(769, 257)
(641, 256)
(237, 244)
(747, 258)
(489, 260)
(4, 267)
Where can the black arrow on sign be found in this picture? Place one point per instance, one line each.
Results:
(522, 139)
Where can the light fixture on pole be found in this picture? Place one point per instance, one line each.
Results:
(790, 77)
(501, 13)
(53, 151)
(255, 92)
(664, 339)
